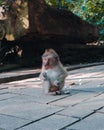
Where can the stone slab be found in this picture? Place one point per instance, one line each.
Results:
(37, 94)
(74, 99)
(8, 122)
(83, 109)
(101, 110)
(25, 104)
(6, 95)
(19, 72)
(91, 84)
(55, 122)
(2, 91)
(93, 122)
(21, 108)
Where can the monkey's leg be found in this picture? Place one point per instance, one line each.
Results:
(46, 86)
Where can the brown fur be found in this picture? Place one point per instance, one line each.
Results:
(53, 71)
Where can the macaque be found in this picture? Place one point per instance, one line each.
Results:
(53, 73)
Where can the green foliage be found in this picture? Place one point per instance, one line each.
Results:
(1, 1)
(91, 11)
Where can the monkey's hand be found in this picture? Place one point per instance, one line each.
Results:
(56, 83)
(44, 76)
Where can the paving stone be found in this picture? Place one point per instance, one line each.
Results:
(27, 81)
(25, 104)
(74, 99)
(77, 112)
(26, 109)
(2, 91)
(6, 95)
(33, 81)
(55, 122)
(33, 91)
(86, 72)
(93, 122)
(37, 94)
(101, 110)
(94, 85)
(19, 72)
(83, 109)
(98, 97)
(8, 122)
(3, 86)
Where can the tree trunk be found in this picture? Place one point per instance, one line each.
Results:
(35, 9)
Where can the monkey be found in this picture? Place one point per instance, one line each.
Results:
(53, 73)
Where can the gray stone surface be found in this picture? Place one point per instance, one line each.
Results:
(93, 122)
(24, 106)
(101, 111)
(8, 122)
(4, 96)
(55, 122)
(37, 95)
(30, 110)
(83, 109)
(19, 72)
(77, 98)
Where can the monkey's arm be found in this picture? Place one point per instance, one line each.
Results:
(60, 79)
(43, 76)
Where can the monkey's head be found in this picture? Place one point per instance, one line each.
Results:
(50, 59)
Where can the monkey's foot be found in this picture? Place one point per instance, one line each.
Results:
(54, 89)
(58, 93)
(62, 92)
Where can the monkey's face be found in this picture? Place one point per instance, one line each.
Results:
(49, 61)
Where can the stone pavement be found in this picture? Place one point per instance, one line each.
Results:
(24, 106)
(14, 72)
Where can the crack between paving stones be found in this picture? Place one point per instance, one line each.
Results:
(7, 98)
(4, 88)
(59, 99)
(86, 99)
(99, 109)
(99, 94)
(38, 119)
(14, 116)
(68, 95)
(100, 112)
(80, 102)
(80, 119)
(4, 93)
